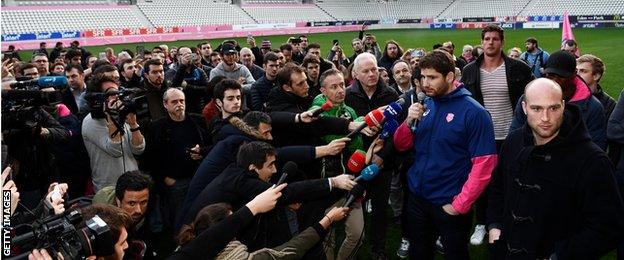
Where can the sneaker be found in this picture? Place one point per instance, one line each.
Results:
(439, 246)
(403, 251)
(478, 235)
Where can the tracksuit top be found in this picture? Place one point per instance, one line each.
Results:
(454, 150)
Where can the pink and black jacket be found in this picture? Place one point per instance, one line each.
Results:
(454, 150)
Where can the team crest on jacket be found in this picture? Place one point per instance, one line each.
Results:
(449, 117)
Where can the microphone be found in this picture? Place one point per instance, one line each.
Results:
(356, 192)
(373, 118)
(421, 100)
(327, 106)
(289, 168)
(393, 110)
(389, 128)
(368, 173)
(42, 82)
(357, 161)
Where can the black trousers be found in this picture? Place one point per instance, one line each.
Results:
(379, 192)
(426, 221)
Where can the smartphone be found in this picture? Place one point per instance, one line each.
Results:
(335, 42)
(140, 51)
(102, 55)
(249, 37)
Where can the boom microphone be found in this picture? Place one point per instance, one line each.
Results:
(373, 118)
(327, 106)
(42, 82)
(357, 161)
(289, 168)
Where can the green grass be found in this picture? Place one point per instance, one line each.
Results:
(604, 43)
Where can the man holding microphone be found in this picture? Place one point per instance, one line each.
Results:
(454, 155)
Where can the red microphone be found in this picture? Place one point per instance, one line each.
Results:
(327, 106)
(373, 118)
(357, 161)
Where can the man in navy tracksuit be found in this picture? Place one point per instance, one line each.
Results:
(452, 137)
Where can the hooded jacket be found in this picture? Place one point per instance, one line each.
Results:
(224, 152)
(454, 150)
(591, 109)
(558, 198)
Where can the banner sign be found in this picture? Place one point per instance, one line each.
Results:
(442, 26)
(478, 19)
(40, 36)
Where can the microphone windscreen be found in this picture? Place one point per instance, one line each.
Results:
(389, 128)
(393, 110)
(357, 161)
(373, 118)
(327, 106)
(421, 97)
(52, 81)
(290, 167)
(370, 172)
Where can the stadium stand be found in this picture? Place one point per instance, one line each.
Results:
(79, 18)
(589, 7)
(283, 14)
(27, 16)
(409, 9)
(474, 8)
(193, 12)
(62, 2)
(350, 9)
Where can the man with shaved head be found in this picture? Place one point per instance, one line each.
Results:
(553, 195)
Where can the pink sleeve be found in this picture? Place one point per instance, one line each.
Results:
(478, 179)
(403, 138)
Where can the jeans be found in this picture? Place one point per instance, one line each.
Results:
(173, 200)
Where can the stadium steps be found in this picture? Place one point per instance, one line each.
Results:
(250, 16)
(454, 2)
(524, 7)
(142, 17)
(328, 13)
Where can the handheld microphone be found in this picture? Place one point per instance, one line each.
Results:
(421, 100)
(393, 110)
(356, 192)
(289, 168)
(389, 128)
(42, 82)
(373, 118)
(357, 161)
(327, 106)
(368, 173)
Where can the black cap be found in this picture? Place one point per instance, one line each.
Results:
(228, 49)
(561, 63)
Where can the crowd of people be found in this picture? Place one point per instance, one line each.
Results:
(252, 151)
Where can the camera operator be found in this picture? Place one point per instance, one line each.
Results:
(118, 222)
(111, 142)
(29, 132)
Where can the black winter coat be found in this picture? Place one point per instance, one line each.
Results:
(357, 99)
(559, 198)
(289, 133)
(237, 186)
